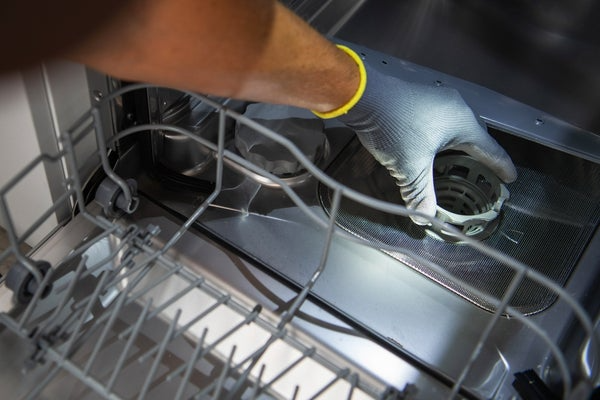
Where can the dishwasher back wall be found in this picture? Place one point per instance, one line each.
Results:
(545, 54)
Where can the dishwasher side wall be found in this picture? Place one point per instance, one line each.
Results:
(20, 145)
(36, 106)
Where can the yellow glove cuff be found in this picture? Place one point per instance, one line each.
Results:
(359, 92)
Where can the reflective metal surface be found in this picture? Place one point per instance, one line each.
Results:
(368, 288)
(547, 223)
(396, 323)
(543, 53)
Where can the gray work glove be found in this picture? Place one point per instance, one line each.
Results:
(404, 125)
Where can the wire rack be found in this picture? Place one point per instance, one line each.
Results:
(105, 296)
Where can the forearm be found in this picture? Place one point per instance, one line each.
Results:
(253, 50)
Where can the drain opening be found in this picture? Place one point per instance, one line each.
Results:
(469, 197)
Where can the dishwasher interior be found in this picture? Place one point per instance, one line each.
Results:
(220, 249)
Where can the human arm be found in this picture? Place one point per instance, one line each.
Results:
(253, 50)
(260, 51)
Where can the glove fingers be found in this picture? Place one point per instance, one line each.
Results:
(419, 194)
(487, 151)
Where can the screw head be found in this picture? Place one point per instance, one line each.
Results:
(97, 95)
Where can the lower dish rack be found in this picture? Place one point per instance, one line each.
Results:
(115, 308)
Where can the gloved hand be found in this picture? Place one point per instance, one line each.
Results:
(404, 125)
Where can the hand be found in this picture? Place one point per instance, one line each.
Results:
(404, 125)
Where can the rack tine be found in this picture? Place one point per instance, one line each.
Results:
(155, 283)
(306, 354)
(66, 296)
(99, 321)
(122, 357)
(37, 390)
(190, 366)
(81, 249)
(341, 374)
(296, 391)
(254, 357)
(168, 303)
(514, 285)
(216, 385)
(256, 387)
(84, 315)
(111, 321)
(101, 143)
(287, 317)
(224, 374)
(184, 328)
(353, 380)
(163, 346)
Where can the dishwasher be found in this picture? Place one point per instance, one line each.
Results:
(222, 249)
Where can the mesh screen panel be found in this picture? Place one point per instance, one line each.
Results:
(546, 223)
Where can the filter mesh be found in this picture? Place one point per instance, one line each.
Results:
(546, 224)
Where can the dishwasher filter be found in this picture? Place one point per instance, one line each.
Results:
(567, 206)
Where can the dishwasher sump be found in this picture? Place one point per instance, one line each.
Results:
(180, 329)
(546, 224)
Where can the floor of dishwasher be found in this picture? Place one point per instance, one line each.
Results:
(46, 381)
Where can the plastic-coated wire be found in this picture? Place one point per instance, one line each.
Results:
(34, 394)
(382, 206)
(168, 303)
(81, 249)
(108, 326)
(253, 358)
(84, 315)
(323, 361)
(84, 126)
(373, 203)
(256, 386)
(98, 322)
(74, 370)
(130, 341)
(190, 365)
(217, 385)
(43, 328)
(587, 351)
(42, 218)
(513, 313)
(342, 374)
(161, 351)
(14, 241)
(191, 323)
(288, 368)
(205, 351)
(353, 379)
(224, 374)
(514, 285)
(218, 185)
(140, 275)
(104, 160)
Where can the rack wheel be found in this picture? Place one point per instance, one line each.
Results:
(22, 282)
(112, 199)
